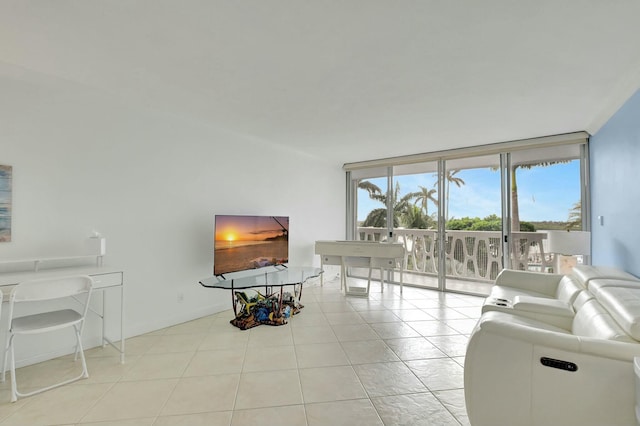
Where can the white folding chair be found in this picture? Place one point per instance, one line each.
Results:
(34, 292)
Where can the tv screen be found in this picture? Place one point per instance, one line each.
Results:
(249, 242)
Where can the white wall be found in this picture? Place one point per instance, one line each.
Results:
(151, 184)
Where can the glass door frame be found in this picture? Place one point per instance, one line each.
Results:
(504, 179)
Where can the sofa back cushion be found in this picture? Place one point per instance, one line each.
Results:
(623, 304)
(583, 297)
(595, 285)
(585, 273)
(593, 320)
(568, 289)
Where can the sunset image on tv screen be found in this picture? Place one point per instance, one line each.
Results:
(249, 242)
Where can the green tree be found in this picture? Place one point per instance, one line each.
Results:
(575, 217)
(461, 224)
(527, 227)
(489, 223)
(414, 218)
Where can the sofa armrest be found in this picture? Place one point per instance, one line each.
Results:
(610, 349)
(530, 281)
(528, 330)
(543, 305)
(547, 335)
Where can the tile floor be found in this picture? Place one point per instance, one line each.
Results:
(390, 359)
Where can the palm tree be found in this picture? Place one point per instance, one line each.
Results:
(378, 217)
(575, 216)
(423, 196)
(451, 177)
(515, 211)
(371, 188)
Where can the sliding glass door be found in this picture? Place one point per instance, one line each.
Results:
(473, 223)
(546, 194)
(372, 204)
(463, 217)
(417, 212)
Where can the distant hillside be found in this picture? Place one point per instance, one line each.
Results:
(549, 225)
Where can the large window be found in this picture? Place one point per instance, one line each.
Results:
(464, 215)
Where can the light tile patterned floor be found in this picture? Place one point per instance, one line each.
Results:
(389, 359)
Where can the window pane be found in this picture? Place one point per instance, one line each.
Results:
(371, 210)
(416, 213)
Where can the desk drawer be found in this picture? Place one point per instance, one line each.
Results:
(331, 260)
(107, 280)
(379, 262)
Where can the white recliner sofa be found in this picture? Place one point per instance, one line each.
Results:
(555, 354)
(551, 297)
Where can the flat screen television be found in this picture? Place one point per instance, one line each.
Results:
(249, 242)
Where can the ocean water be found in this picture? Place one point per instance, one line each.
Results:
(251, 256)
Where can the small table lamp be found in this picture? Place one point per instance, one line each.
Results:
(566, 245)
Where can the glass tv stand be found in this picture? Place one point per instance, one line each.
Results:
(278, 276)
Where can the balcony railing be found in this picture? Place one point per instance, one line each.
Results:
(473, 255)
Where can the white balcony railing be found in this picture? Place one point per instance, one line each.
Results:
(474, 255)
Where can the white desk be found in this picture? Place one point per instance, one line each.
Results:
(104, 278)
(367, 254)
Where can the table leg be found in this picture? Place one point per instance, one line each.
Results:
(343, 275)
(280, 301)
(104, 309)
(233, 302)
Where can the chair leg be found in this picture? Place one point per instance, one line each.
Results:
(78, 347)
(80, 350)
(14, 386)
(5, 356)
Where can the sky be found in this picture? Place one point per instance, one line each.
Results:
(248, 228)
(544, 193)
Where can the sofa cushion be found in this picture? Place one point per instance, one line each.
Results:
(624, 306)
(586, 273)
(593, 320)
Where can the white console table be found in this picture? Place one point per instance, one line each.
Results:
(104, 278)
(366, 254)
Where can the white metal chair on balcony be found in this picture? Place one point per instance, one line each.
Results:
(34, 293)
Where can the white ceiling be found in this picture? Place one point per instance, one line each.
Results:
(346, 80)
